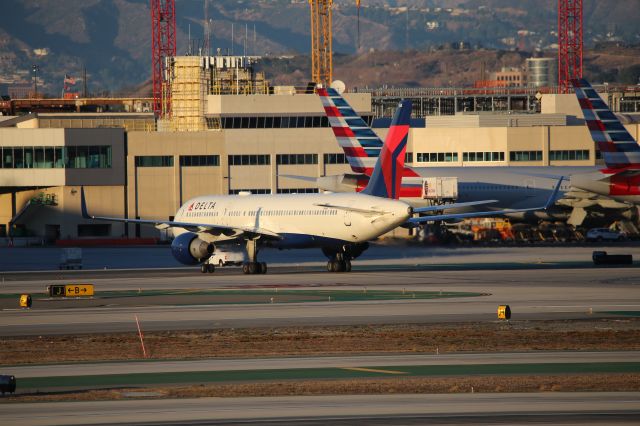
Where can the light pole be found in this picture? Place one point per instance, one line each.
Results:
(35, 68)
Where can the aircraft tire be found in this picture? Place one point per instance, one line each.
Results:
(245, 268)
(203, 268)
(253, 268)
(330, 266)
(337, 266)
(347, 266)
(263, 267)
(211, 268)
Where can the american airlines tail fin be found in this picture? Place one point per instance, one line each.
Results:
(387, 174)
(360, 144)
(617, 146)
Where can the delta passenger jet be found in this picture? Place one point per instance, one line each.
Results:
(339, 224)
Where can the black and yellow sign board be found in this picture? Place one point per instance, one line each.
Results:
(71, 290)
(504, 312)
(25, 300)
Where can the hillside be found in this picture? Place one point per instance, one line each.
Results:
(112, 38)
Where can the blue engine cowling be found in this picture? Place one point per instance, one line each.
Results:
(188, 249)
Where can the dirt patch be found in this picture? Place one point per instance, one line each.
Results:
(555, 383)
(414, 338)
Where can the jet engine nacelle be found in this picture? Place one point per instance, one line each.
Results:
(340, 183)
(188, 249)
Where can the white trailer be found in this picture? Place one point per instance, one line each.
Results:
(71, 258)
(440, 188)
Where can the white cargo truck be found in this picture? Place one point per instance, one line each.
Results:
(71, 258)
(440, 188)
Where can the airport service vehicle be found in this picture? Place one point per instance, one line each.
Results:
(71, 258)
(339, 224)
(222, 257)
(603, 234)
(620, 180)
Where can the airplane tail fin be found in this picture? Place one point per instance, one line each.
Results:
(387, 174)
(360, 144)
(617, 146)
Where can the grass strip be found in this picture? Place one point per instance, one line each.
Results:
(321, 373)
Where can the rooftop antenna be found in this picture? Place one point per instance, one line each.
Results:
(189, 46)
(246, 37)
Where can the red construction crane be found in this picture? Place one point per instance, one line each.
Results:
(163, 45)
(569, 42)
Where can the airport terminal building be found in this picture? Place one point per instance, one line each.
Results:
(243, 142)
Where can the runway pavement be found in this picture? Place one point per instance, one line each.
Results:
(540, 294)
(539, 408)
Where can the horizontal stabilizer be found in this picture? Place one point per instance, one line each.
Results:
(304, 178)
(430, 218)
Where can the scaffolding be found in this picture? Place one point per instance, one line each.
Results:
(235, 75)
(189, 87)
(192, 78)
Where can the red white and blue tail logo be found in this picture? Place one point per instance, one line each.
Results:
(360, 144)
(386, 178)
(617, 146)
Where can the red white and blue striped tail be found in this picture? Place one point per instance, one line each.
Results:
(386, 178)
(617, 146)
(360, 144)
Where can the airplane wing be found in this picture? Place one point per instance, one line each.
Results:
(452, 206)
(429, 218)
(189, 226)
(352, 209)
(298, 177)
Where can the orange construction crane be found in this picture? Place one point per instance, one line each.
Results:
(321, 35)
(321, 40)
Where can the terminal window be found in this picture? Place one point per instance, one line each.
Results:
(154, 161)
(297, 190)
(525, 156)
(199, 160)
(252, 190)
(569, 155)
(335, 159)
(297, 159)
(250, 160)
(274, 122)
(94, 230)
(437, 157)
(483, 156)
(55, 157)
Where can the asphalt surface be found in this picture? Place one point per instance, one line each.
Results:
(540, 408)
(33, 259)
(531, 294)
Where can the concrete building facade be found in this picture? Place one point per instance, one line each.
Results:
(257, 140)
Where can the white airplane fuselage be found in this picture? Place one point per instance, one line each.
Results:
(296, 220)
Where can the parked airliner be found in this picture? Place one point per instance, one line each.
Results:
(512, 187)
(339, 224)
(620, 180)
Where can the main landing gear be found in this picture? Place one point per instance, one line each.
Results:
(335, 265)
(340, 259)
(253, 266)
